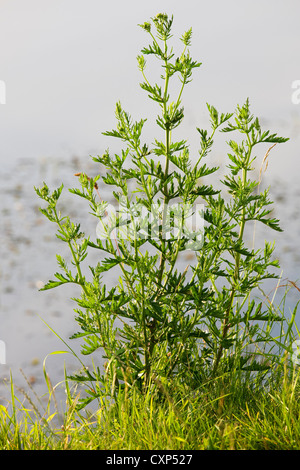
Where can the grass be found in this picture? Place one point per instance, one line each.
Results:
(235, 411)
(220, 416)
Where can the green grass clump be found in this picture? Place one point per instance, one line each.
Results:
(226, 414)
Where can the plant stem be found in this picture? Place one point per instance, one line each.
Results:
(76, 262)
(226, 322)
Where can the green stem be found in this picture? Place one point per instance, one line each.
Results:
(226, 322)
(165, 202)
(168, 143)
(76, 262)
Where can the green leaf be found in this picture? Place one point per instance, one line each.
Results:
(109, 263)
(52, 284)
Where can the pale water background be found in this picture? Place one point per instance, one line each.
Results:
(65, 64)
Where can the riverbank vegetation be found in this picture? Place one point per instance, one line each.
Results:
(230, 413)
(194, 356)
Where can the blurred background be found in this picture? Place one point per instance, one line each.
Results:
(63, 66)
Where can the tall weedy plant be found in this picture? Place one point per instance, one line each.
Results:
(158, 322)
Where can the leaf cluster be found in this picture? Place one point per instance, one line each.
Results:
(159, 321)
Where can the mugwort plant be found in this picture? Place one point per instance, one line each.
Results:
(159, 323)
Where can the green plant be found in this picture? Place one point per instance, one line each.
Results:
(159, 323)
